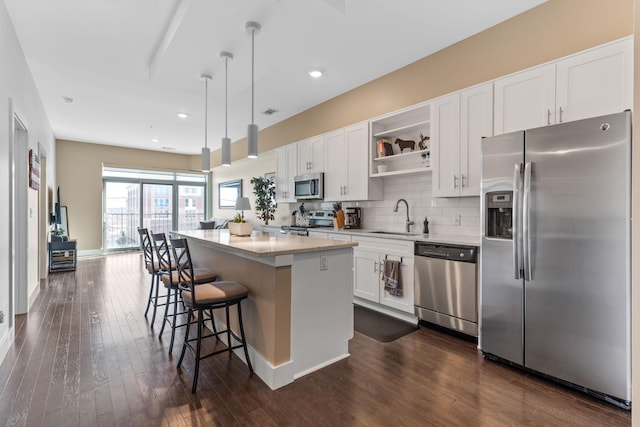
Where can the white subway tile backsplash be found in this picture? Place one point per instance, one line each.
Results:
(416, 190)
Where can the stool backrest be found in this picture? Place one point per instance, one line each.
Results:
(182, 257)
(162, 251)
(147, 249)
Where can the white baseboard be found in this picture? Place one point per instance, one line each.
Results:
(386, 310)
(5, 344)
(34, 295)
(90, 252)
(273, 376)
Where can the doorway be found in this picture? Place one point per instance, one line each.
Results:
(18, 232)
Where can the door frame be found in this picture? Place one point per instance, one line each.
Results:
(18, 208)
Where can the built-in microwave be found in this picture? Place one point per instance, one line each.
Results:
(309, 186)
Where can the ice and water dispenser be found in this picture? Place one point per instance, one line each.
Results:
(500, 214)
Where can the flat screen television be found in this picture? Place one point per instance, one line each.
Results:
(57, 217)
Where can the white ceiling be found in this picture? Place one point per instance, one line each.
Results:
(132, 65)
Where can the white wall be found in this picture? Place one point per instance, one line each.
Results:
(246, 169)
(16, 83)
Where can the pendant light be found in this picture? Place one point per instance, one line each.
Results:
(252, 130)
(206, 153)
(226, 141)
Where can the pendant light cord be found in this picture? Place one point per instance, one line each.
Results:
(253, 36)
(206, 102)
(226, 90)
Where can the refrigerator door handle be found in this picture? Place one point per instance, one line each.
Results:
(517, 237)
(526, 221)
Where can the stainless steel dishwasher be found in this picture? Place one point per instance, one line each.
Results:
(446, 286)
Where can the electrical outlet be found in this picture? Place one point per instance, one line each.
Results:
(1, 316)
(324, 264)
(456, 219)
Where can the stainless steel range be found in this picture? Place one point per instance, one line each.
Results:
(314, 219)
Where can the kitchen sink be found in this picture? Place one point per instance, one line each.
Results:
(395, 233)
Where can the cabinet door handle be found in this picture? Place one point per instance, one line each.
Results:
(463, 181)
(375, 266)
(561, 111)
(455, 181)
(548, 116)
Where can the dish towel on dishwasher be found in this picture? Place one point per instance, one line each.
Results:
(391, 277)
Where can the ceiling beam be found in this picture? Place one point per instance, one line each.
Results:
(170, 30)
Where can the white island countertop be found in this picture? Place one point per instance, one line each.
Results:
(262, 244)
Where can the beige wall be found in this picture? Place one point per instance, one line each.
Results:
(79, 174)
(246, 169)
(552, 30)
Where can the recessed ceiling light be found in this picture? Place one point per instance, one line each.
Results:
(155, 140)
(67, 99)
(183, 115)
(316, 74)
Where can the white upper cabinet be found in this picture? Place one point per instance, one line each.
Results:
(347, 171)
(476, 122)
(592, 83)
(525, 100)
(311, 155)
(335, 176)
(286, 165)
(596, 82)
(460, 120)
(445, 147)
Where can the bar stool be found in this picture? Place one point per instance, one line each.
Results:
(209, 296)
(169, 277)
(153, 268)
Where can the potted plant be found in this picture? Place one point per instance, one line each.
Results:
(239, 226)
(265, 191)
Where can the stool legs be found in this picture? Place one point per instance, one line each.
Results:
(153, 280)
(175, 317)
(155, 302)
(244, 341)
(200, 324)
(186, 337)
(166, 311)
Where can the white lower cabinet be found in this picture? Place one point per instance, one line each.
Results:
(329, 235)
(368, 263)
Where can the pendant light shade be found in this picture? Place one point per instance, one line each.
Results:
(206, 159)
(252, 129)
(226, 152)
(206, 153)
(226, 141)
(252, 141)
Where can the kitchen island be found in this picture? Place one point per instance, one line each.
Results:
(299, 314)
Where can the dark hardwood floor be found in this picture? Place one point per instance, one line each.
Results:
(86, 356)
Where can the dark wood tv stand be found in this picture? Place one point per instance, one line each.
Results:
(63, 255)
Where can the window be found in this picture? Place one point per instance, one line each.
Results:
(228, 192)
(151, 199)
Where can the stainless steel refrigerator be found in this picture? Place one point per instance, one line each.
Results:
(555, 256)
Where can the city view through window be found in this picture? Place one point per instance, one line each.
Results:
(135, 199)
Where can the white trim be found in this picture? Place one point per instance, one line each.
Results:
(6, 342)
(386, 310)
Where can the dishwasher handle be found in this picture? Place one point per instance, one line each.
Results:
(448, 252)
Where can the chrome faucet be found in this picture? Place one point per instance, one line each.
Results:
(409, 223)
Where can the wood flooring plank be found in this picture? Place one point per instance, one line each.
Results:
(85, 355)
